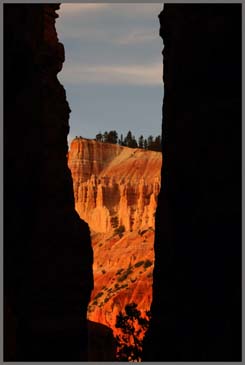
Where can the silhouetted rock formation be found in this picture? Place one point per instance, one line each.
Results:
(47, 250)
(196, 306)
(114, 185)
(101, 343)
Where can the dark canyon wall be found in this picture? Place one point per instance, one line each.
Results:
(196, 305)
(47, 254)
(47, 251)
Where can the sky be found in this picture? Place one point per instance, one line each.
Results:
(113, 68)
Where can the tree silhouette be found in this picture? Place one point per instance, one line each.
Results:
(112, 137)
(133, 327)
(154, 144)
(150, 143)
(120, 140)
(99, 137)
(128, 139)
(105, 137)
(141, 142)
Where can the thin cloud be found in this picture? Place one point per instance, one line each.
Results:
(136, 37)
(89, 33)
(126, 38)
(127, 9)
(113, 75)
(77, 9)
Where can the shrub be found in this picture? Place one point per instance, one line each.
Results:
(98, 295)
(138, 264)
(125, 274)
(120, 230)
(119, 271)
(147, 263)
(122, 277)
(143, 232)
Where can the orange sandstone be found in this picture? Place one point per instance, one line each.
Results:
(117, 186)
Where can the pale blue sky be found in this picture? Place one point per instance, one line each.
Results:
(113, 68)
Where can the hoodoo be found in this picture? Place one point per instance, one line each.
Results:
(116, 191)
(114, 185)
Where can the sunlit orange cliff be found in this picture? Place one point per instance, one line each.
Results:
(115, 190)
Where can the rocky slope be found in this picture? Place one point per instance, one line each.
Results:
(117, 187)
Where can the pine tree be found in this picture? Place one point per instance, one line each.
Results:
(120, 140)
(133, 143)
(141, 142)
(99, 137)
(105, 137)
(150, 142)
(128, 139)
(112, 137)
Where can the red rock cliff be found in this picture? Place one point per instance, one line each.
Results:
(114, 185)
(117, 186)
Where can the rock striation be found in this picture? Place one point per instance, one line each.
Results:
(113, 185)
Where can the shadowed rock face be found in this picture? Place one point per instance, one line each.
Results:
(196, 307)
(47, 249)
(101, 343)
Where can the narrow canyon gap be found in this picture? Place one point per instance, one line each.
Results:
(196, 310)
(115, 183)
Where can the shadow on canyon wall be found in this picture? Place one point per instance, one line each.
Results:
(47, 249)
(196, 309)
